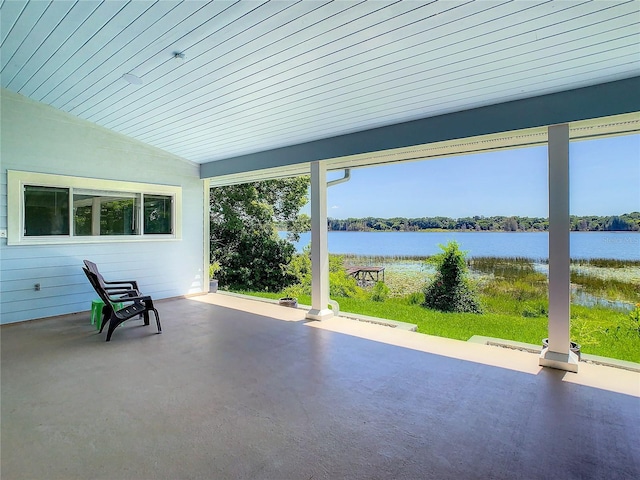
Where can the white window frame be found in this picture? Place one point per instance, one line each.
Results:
(17, 180)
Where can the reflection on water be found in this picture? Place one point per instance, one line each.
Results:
(580, 297)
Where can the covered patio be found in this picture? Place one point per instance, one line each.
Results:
(137, 107)
(237, 388)
(159, 102)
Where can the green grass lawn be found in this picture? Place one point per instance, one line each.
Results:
(599, 330)
(513, 296)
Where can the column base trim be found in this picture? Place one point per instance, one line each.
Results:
(561, 361)
(323, 314)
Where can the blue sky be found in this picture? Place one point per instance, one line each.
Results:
(605, 180)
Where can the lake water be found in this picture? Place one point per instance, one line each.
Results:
(615, 245)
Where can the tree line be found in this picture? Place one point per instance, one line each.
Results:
(625, 222)
(247, 253)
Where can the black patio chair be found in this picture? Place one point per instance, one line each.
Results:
(113, 287)
(123, 287)
(135, 305)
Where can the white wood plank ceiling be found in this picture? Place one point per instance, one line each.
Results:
(261, 75)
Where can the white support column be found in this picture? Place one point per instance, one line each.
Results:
(558, 353)
(206, 246)
(319, 245)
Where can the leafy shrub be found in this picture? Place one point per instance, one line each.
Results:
(450, 290)
(300, 267)
(415, 298)
(534, 309)
(340, 284)
(343, 285)
(379, 292)
(296, 291)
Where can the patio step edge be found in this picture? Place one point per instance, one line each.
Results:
(531, 348)
(410, 327)
(258, 299)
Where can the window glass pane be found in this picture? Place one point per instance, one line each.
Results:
(105, 213)
(118, 217)
(46, 211)
(82, 215)
(157, 214)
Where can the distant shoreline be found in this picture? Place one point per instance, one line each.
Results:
(627, 222)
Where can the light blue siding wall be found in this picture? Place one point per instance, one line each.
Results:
(37, 138)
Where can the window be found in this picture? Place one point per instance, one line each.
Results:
(105, 213)
(157, 214)
(57, 209)
(46, 211)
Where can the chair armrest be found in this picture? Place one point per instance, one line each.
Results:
(124, 293)
(121, 288)
(145, 298)
(133, 283)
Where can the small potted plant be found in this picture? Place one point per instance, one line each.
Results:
(213, 282)
(289, 302)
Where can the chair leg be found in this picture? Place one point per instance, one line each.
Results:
(146, 317)
(113, 324)
(157, 320)
(110, 331)
(106, 316)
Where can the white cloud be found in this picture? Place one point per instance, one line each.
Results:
(334, 207)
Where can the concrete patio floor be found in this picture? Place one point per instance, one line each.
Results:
(240, 389)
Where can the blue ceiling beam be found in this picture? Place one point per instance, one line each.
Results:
(603, 100)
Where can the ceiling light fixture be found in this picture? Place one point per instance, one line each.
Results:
(179, 58)
(132, 79)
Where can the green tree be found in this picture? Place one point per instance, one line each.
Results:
(450, 290)
(244, 237)
(511, 224)
(617, 223)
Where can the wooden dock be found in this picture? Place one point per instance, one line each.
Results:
(365, 275)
